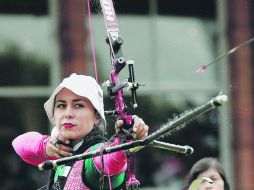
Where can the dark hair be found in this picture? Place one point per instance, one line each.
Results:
(203, 165)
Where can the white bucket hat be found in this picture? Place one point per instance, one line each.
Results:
(81, 85)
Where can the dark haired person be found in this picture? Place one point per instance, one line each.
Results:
(210, 168)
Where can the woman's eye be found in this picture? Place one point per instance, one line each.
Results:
(79, 105)
(214, 179)
(60, 106)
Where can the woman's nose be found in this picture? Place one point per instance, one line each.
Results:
(69, 112)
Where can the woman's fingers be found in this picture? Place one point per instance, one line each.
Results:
(54, 149)
(63, 150)
(62, 140)
(142, 132)
(140, 128)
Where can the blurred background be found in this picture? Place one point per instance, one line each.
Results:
(43, 41)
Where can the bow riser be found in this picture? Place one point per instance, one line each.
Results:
(115, 87)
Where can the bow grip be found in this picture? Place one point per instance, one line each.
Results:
(128, 122)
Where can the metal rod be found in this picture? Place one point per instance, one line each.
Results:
(149, 141)
(172, 125)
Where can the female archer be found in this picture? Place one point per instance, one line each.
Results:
(77, 112)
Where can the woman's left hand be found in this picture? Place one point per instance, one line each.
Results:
(140, 129)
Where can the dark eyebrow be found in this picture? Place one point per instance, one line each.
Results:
(75, 100)
(59, 101)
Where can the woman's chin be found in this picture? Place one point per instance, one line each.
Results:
(70, 135)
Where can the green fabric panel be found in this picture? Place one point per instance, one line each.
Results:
(92, 175)
(59, 172)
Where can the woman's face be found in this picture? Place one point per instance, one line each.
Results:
(212, 173)
(74, 115)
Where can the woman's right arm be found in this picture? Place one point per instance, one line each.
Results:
(31, 147)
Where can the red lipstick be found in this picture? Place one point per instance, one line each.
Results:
(68, 125)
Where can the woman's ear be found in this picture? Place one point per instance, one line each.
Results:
(98, 119)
